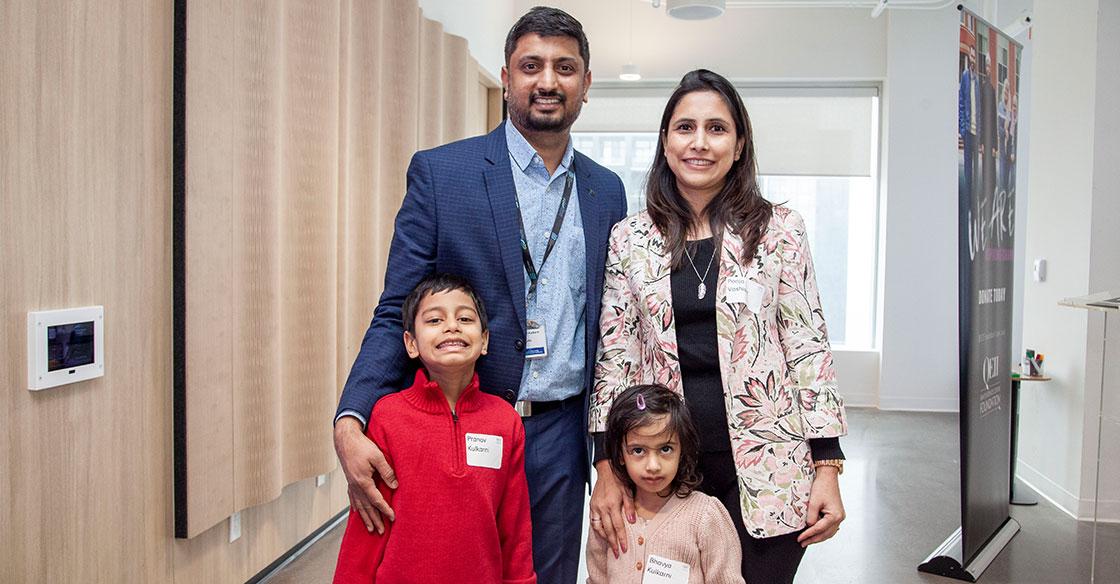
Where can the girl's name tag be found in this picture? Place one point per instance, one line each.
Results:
(661, 570)
(744, 290)
(484, 450)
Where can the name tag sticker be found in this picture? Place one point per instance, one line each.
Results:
(661, 570)
(536, 346)
(744, 290)
(755, 291)
(484, 450)
(737, 289)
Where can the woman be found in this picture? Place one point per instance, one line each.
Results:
(743, 337)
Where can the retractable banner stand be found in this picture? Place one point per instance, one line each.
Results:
(987, 131)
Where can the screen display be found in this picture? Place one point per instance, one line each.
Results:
(69, 345)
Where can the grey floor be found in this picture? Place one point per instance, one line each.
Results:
(901, 490)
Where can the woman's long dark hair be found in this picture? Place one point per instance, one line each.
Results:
(739, 206)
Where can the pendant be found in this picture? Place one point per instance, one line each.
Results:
(700, 291)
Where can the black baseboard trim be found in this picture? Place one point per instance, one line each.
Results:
(298, 549)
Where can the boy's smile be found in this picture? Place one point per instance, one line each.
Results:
(448, 336)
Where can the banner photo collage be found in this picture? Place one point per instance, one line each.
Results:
(989, 73)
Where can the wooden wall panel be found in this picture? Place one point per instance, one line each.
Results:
(460, 73)
(255, 356)
(262, 244)
(210, 189)
(308, 314)
(400, 114)
(431, 95)
(358, 168)
(479, 107)
(86, 213)
(379, 136)
(85, 216)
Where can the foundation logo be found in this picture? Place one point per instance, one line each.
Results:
(991, 371)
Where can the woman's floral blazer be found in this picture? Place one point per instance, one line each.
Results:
(778, 382)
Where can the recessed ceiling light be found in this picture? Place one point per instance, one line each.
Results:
(695, 9)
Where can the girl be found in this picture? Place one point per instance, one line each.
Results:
(681, 535)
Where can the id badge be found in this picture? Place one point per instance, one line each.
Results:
(536, 345)
(661, 570)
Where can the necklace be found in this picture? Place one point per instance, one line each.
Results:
(701, 290)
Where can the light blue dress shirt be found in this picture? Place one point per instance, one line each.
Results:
(560, 301)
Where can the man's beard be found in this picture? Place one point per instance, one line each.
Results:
(533, 122)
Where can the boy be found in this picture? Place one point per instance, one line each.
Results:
(462, 504)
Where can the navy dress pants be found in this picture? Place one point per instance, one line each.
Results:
(556, 468)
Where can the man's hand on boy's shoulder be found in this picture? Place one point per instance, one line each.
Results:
(361, 462)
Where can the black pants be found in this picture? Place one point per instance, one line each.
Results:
(770, 560)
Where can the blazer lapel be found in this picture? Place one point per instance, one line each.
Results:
(659, 302)
(503, 206)
(594, 236)
(737, 332)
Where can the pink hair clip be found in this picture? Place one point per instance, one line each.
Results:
(641, 401)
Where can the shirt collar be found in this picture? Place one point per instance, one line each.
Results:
(523, 153)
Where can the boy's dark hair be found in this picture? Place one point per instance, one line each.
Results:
(548, 22)
(431, 284)
(626, 415)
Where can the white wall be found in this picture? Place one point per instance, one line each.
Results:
(858, 375)
(484, 25)
(1053, 430)
(1104, 273)
(919, 213)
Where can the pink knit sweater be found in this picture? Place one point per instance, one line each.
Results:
(695, 530)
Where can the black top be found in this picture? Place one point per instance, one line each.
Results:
(697, 349)
(698, 355)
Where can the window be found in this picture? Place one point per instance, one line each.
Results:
(628, 154)
(816, 153)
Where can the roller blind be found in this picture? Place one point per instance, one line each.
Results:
(812, 133)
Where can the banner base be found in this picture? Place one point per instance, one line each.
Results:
(946, 560)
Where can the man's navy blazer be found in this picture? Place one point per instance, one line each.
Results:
(459, 216)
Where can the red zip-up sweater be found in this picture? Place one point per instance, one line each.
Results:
(455, 522)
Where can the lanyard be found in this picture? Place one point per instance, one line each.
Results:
(526, 257)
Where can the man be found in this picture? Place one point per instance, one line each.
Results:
(966, 118)
(989, 135)
(525, 219)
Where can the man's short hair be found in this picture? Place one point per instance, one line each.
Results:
(432, 284)
(548, 22)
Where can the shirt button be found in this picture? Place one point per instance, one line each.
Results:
(641, 540)
(638, 566)
(536, 374)
(510, 395)
(544, 281)
(519, 344)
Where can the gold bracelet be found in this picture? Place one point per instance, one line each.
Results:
(836, 462)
